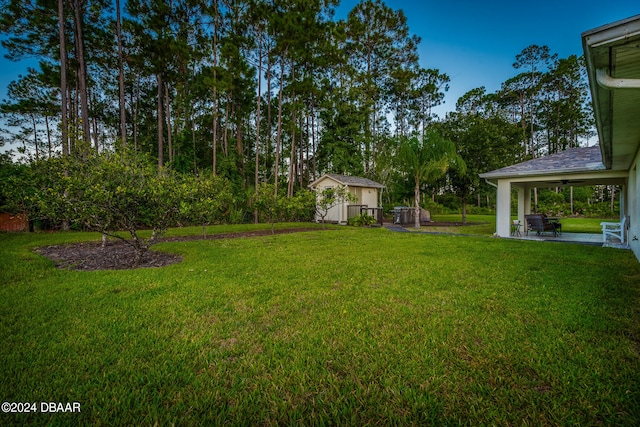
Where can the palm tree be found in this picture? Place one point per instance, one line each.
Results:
(427, 161)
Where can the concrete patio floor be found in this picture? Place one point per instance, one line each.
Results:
(581, 238)
(594, 239)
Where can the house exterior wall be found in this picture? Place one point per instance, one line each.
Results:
(368, 196)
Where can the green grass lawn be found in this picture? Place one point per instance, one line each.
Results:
(582, 225)
(344, 327)
(476, 224)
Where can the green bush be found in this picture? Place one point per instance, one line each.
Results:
(108, 193)
(363, 220)
(594, 210)
(550, 198)
(299, 208)
(437, 209)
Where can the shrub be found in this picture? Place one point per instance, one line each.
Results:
(205, 199)
(300, 207)
(362, 220)
(110, 192)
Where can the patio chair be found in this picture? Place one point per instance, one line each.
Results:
(540, 223)
(613, 229)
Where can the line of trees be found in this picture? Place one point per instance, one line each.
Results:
(269, 91)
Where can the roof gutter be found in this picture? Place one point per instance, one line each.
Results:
(608, 82)
(490, 183)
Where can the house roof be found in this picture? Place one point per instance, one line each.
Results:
(351, 181)
(571, 161)
(612, 56)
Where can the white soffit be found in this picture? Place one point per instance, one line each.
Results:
(615, 49)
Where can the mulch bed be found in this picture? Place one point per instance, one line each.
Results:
(116, 255)
(119, 255)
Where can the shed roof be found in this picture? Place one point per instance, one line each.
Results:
(583, 159)
(351, 181)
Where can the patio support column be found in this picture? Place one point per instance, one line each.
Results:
(524, 203)
(503, 208)
(623, 208)
(521, 203)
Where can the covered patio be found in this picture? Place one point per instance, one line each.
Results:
(573, 167)
(582, 238)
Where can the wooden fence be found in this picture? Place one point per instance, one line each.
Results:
(12, 222)
(355, 210)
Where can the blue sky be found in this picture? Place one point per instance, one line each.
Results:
(475, 42)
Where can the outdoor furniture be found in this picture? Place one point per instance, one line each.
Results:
(613, 229)
(555, 222)
(540, 223)
(515, 227)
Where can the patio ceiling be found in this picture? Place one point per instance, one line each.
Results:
(614, 49)
(581, 180)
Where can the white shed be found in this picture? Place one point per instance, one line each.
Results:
(365, 190)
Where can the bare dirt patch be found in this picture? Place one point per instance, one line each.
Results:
(119, 255)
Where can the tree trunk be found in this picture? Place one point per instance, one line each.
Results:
(571, 198)
(464, 210)
(267, 150)
(225, 145)
(306, 146)
(168, 117)
(313, 136)
(215, 129)
(135, 114)
(532, 114)
(416, 220)
(139, 245)
(35, 135)
(258, 110)
(292, 166)
(193, 140)
(46, 124)
(123, 115)
(94, 122)
(82, 75)
(292, 155)
(215, 89)
(612, 192)
(63, 80)
(160, 124)
(301, 151)
(239, 146)
(279, 134)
